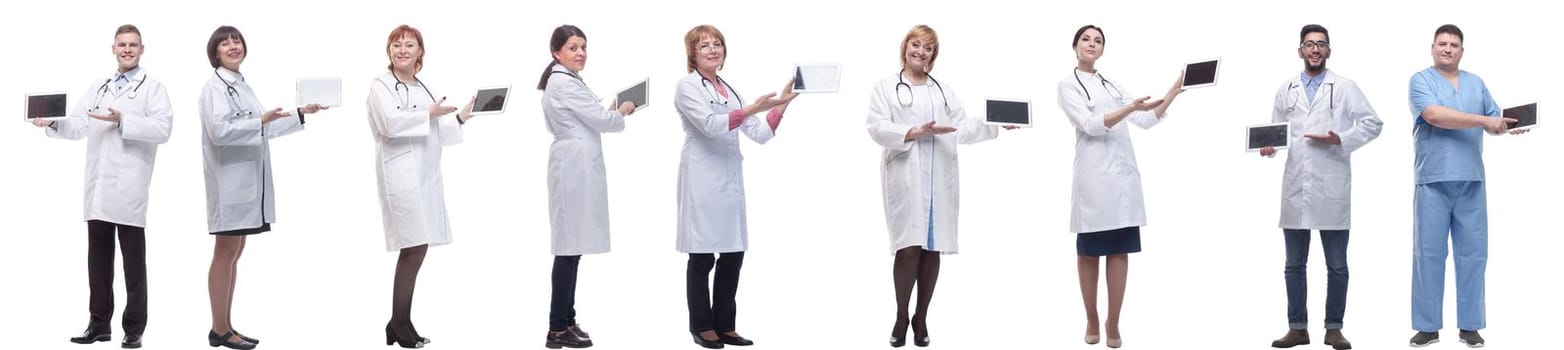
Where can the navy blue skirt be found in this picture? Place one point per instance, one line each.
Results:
(1118, 241)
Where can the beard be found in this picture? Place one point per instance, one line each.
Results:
(1314, 69)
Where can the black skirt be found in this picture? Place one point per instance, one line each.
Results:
(1111, 242)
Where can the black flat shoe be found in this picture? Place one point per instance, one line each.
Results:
(566, 339)
(92, 336)
(247, 338)
(709, 344)
(734, 340)
(897, 342)
(216, 340)
(393, 338)
(132, 341)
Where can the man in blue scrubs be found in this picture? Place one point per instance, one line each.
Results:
(1452, 108)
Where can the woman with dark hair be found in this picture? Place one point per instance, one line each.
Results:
(577, 178)
(236, 157)
(410, 127)
(711, 182)
(1108, 208)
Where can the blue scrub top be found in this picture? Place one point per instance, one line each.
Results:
(1448, 154)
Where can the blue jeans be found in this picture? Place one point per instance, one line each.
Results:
(1335, 244)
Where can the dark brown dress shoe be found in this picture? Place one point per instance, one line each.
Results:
(1337, 341)
(1293, 338)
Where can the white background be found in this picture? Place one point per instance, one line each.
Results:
(818, 273)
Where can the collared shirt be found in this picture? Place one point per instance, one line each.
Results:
(1311, 84)
(124, 78)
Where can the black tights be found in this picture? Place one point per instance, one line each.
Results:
(914, 266)
(407, 266)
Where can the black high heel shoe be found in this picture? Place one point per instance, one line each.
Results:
(897, 342)
(920, 332)
(899, 328)
(420, 338)
(222, 340)
(393, 338)
(709, 344)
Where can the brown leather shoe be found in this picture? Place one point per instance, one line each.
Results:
(1334, 338)
(1293, 338)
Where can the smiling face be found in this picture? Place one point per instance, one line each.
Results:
(1089, 45)
(406, 54)
(1314, 51)
(918, 53)
(1447, 51)
(230, 53)
(710, 54)
(127, 50)
(572, 55)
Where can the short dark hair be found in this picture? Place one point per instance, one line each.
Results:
(1450, 29)
(223, 33)
(1075, 40)
(127, 29)
(1313, 28)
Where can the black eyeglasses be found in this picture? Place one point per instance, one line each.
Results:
(1311, 44)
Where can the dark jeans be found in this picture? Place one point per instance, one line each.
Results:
(1335, 244)
(562, 306)
(718, 310)
(100, 275)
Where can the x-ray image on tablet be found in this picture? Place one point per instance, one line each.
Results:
(1009, 112)
(1267, 135)
(635, 94)
(812, 78)
(1200, 73)
(491, 100)
(1526, 116)
(45, 105)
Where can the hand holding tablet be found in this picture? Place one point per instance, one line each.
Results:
(491, 100)
(45, 105)
(1008, 112)
(1201, 73)
(817, 78)
(1267, 135)
(635, 94)
(326, 92)
(1525, 116)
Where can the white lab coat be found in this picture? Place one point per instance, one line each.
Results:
(236, 155)
(711, 177)
(119, 155)
(1105, 193)
(917, 174)
(407, 162)
(577, 177)
(1317, 183)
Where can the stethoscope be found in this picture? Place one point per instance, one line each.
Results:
(711, 96)
(406, 92)
(1110, 87)
(905, 99)
(233, 97)
(104, 89)
(1294, 97)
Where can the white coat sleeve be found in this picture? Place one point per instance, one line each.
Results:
(756, 128)
(1279, 106)
(574, 96)
(221, 125)
(883, 128)
(285, 126)
(968, 130)
(693, 107)
(156, 125)
(1143, 119)
(391, 122)
(74, 125)
(1073, 101)
(1365, 123)
(450, 130)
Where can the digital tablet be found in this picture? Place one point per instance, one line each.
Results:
(491, 100)
(1526, 116)
(45, 105)
(324, 91)
(1266, 135)
(1015, 112)
(636, 94)
(816, 78)
(1200, 73)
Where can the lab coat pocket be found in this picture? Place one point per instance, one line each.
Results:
(238, 181)
(401, 177)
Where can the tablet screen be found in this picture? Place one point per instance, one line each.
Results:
(635, 94)
(490, 100)
(814, 78)
(1268, 135)
(324, 91)
(1009, 112)
(45, 105)
(1525, 114)
(1200, 74)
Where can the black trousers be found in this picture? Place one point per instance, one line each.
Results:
(562, 305)
(100, 274)
(716, 310)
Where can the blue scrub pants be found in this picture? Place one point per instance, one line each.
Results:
(1457, 210)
